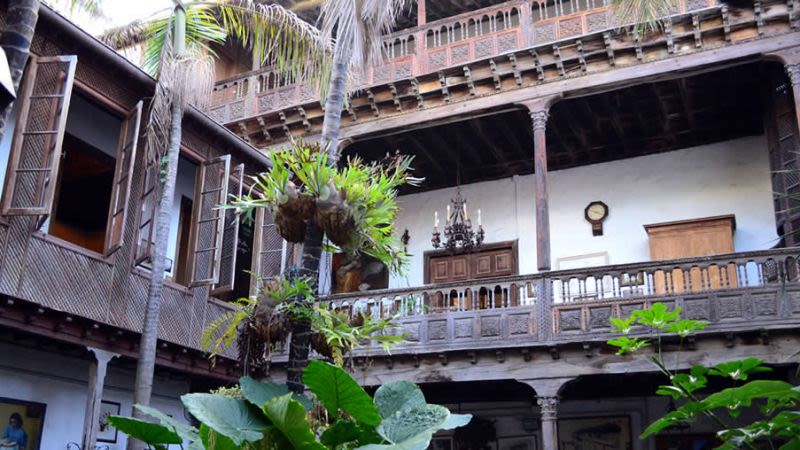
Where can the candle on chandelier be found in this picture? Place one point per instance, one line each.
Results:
(466, 217)
(448, 215)
(479, 217)
(436, 219)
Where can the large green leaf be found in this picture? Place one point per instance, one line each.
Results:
(407, 424)
(339, 391)
(185, 431)
(290, 418)
(215, 441)
(348, 431)
(260, 392)
(228, 416)
(398, 396)
(149, 433)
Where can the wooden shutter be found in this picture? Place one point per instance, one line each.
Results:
(211, 191)
(267, 248)
(126, 156)
(230, 235)
(148, 202)
(36, 149)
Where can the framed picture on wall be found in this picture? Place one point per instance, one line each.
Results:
(22, 423)
(589, 433)
(517, 443)
(105, 432)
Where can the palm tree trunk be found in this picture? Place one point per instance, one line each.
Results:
(21, 18)
(312, 246)
(147, 345)
(301, 327)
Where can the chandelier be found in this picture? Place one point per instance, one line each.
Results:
(458, 231)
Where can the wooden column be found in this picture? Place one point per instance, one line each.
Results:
(94, 395)
(421, 14)
(539, 111)
(547, 399)
(793, 72)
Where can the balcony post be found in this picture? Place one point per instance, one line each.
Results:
(421, 14)
(539, 111)
(526, 24)
(547, 399)
(793, 72)
(94, 394)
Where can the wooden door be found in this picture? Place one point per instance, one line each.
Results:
(693, 238)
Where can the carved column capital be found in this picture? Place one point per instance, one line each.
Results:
(793, 72)
(548, 408)
(539, 119)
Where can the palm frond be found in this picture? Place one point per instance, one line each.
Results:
(92, 8)
(277, 37)
(202, 28)
(125, 36)
(643, 15)
(359, 26)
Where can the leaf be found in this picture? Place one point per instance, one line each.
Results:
(260, 392)
(149, 433)
(186, 432)
(626, 344)
(338, 391)
(623, 326)
(740, 370)
(290, 418)
(745, 394)
(456, 420)
(398, 396)
(214, 441)
(348, 431)
(230, 417)
(407, 424)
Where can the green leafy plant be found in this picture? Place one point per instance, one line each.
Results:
(267, 416)
(355, 205)
(777, 400)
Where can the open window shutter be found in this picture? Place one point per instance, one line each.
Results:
(126, 155)
(148, 201)
(36, 149)
(211, 191)
(230, 234)
(267, 248)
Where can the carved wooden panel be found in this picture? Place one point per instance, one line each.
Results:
(492, 261)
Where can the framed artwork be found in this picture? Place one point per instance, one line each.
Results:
(441, 443)
(517, 443)
(22, 423)
(107, 433)
(589, 433)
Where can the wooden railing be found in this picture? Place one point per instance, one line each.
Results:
(739, 289)
(475, 35)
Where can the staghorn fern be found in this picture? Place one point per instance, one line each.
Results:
(221, 332)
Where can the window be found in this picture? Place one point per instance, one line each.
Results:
(211, 191)
(70, 170)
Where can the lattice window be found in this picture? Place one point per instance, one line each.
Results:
(230, 235)
(36, 149)
(126, 157)
(267, 248)
(211, 191)
(148, 203)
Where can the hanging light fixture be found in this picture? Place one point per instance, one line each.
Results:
(458, 232)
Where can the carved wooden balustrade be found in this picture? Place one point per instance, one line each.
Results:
(448, 42)
(738, 291)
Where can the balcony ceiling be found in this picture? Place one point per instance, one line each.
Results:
(634, 121)
(435, 9)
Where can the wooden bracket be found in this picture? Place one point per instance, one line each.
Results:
(473, 357)
(389, 363)
(415, 360)
(730, 340)
(637, 45)
(581, 56)
(443, 358)
(495, 75)
(395, 97)
(559, 61)
(764, 333)
(759, 12)
(244, 134)
(415, 89)
(372, 104)
(304, 117)
(670, 37)
(501, 356)
(526, 354)
(285, 124)
(555, 353)
(515, 68)
(351, 111)
(698, 33)
(587, 350)
(445, 89)
(470, 82)
(264, 129)
(726, 22)
(609, 49)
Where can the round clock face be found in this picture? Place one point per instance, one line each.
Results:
(596, 211)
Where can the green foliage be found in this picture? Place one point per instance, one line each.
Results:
(337, 391)
(777, 401)
(366, 193)
(223, 330)
(398, 418)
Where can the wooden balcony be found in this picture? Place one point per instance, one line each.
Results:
(733, 292)
(454, 41)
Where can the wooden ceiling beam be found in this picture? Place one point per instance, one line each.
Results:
(488, 142)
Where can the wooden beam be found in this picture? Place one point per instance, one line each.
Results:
(488, 142)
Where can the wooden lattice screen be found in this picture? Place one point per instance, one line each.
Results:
(148, 202)
(211, 191)
(267, 248)
(230, 235)
(36, 149)
(784, 146)
(123, 173)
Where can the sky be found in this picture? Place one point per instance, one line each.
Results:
(120, 12)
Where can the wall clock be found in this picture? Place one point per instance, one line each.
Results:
(595, 213)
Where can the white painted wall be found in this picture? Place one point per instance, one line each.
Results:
(60, 382)
(724, 178)
(94, 125)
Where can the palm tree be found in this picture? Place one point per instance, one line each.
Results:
(16, 37)
(359, 26)
(177, 53)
